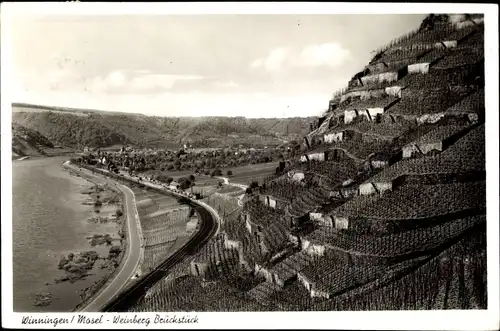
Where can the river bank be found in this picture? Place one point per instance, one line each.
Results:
(101, 197)
(55, 215)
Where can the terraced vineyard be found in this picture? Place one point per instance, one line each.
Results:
(165, 224)
(384, 208)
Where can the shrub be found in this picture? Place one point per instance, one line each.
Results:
(185, 183)
(217, 172)
(119, 213)
(229, 173)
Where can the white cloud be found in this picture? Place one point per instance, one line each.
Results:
(229, 84)
(116, 79)
(257, 63)
(274, 61)
(154, 81)
(137, 81)
(276, 58)
(328, 54)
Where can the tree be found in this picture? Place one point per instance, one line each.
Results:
(165, 179)
(192, 178)
(177, 163)
(254, 184)
(185, 184)
(220, 183)
(229, 173)
(217, 172)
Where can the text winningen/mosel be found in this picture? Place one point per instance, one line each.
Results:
(83, 319)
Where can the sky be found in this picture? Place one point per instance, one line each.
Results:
(195, 65)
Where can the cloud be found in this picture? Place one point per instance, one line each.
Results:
(229, 84)
(274, 61)
(327, 54)
(137, 81)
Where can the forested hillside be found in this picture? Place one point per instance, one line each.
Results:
(26, 142)
(71, 128)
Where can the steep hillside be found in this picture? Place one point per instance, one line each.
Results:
(99, 129)
(26, 142)
(384, 210)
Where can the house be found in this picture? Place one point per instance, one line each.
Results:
(198, 269)
(446, 44)
(394, 91)
(341, 222)
(350, 115)
(307, 279)
(262, 271)
(419, 68)
(334, 137)
(391, 76)
(312, 247)
(286, 270)
(371, 187)
(322, 220)
(313, 156)
(231, 244)
(437, 140)
(296, 176)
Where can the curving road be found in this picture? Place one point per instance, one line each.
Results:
(132, 295)
(241, 186)
(109, 299)
(130, 262)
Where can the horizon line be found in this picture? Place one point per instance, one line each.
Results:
(62, 108)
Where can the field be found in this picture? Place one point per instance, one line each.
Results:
(241, 175)
(245, 175)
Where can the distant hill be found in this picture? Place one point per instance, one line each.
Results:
(26, 142)
(76, 128)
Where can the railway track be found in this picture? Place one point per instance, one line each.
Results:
(133, 294)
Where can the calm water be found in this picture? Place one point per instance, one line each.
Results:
(49, 220)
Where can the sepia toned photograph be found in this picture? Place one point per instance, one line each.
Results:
(248, 163)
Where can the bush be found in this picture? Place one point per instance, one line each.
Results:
(119, 213)
(229, 173)
(185, 184)
(217, 172)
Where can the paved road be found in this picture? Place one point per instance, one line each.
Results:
(130, 262)
(209, 227)
(241, 186)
